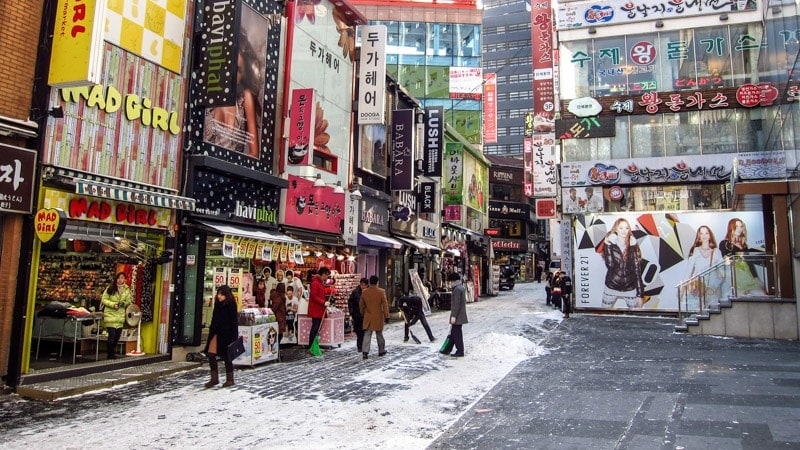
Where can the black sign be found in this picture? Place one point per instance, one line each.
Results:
(17, 175)
(402, 165)
(586, 127)
(434, 141)
(427, 197)
(217, 44)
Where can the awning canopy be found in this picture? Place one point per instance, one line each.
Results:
(421, 246)
(466, 231)
(375, 240)
(249, 233)
(133, 195)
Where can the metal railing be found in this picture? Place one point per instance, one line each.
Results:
(745, 275)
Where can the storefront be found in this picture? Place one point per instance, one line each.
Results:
(85, 236)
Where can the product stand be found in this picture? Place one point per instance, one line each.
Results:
(257, 349)
(331, 332)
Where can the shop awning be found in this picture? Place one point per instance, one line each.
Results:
(133, 195)
(421, 246)
(375, 240)
(466, 231)
(250, 233)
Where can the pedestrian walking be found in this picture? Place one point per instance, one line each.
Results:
(411, 305)
(224, 329)
(375, 310)
(356, 318)
(458, 313)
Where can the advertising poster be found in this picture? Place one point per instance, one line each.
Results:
(237, 127)
(314, 208)
(665, 241)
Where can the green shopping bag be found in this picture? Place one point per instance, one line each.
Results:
(314, 349)
(447, 346)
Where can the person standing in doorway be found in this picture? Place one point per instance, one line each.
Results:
(375, 310)
(317, 302)
(223, 331)
(353, 305)
(115, 299)
(458, 313)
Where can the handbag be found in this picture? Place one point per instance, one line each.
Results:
(235, 348)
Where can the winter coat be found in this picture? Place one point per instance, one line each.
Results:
(277, 303)
(458, 303)
(224, 325)
(113, 316)
(374, 308)
(316, 298)
(354, 308)
(411, 306)
(623, 273)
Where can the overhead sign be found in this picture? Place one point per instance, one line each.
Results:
(434, 141)
(402, 150)
(76, 58)
(545, 208)
(584, 107)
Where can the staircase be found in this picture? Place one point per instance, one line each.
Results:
(762, 316)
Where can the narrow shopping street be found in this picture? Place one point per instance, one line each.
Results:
(402, 400)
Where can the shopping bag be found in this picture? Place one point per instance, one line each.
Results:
(447, 346)
(314, 348)
(235, 348)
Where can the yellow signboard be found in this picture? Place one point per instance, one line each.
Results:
(77, 52)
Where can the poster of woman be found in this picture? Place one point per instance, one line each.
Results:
(660, 253)
(237, 127)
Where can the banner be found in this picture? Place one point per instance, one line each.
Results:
(543, 67)
(453, 180)
(217, 45)
(465, 82)
(490, 108)
(427, 197)
(372, 80)
(545, 165)
(434, 141)
(301, 123)
(402, 150)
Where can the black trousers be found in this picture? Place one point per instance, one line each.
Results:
(425, 325)
(114, 334)
(315, 324)
(457, 338)
(358, 328)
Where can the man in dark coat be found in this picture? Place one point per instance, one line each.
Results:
(413, 312)
(355, 313)
(375, 310)
(458, 312)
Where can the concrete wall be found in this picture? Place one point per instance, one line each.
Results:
(752, 319)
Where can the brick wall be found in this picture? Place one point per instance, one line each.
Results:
(19, 36)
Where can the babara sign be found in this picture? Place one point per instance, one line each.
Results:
(49, 223)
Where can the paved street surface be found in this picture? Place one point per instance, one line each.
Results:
(529, 380)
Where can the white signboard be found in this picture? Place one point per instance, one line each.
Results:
(372, 79)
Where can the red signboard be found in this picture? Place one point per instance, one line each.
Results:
(545, 208)
(313, 208)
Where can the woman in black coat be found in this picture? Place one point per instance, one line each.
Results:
(223, 331)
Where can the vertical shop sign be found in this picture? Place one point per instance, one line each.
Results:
(402, 164)
(454, 178)
(427, 197)
(17, 175)
(545, 162)
(302, 126)
(77, 49)
(542, 41)
(372, 80)
(434, 141)
(527, 161)
(490, 108)
(351, 206)
(218, 36)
